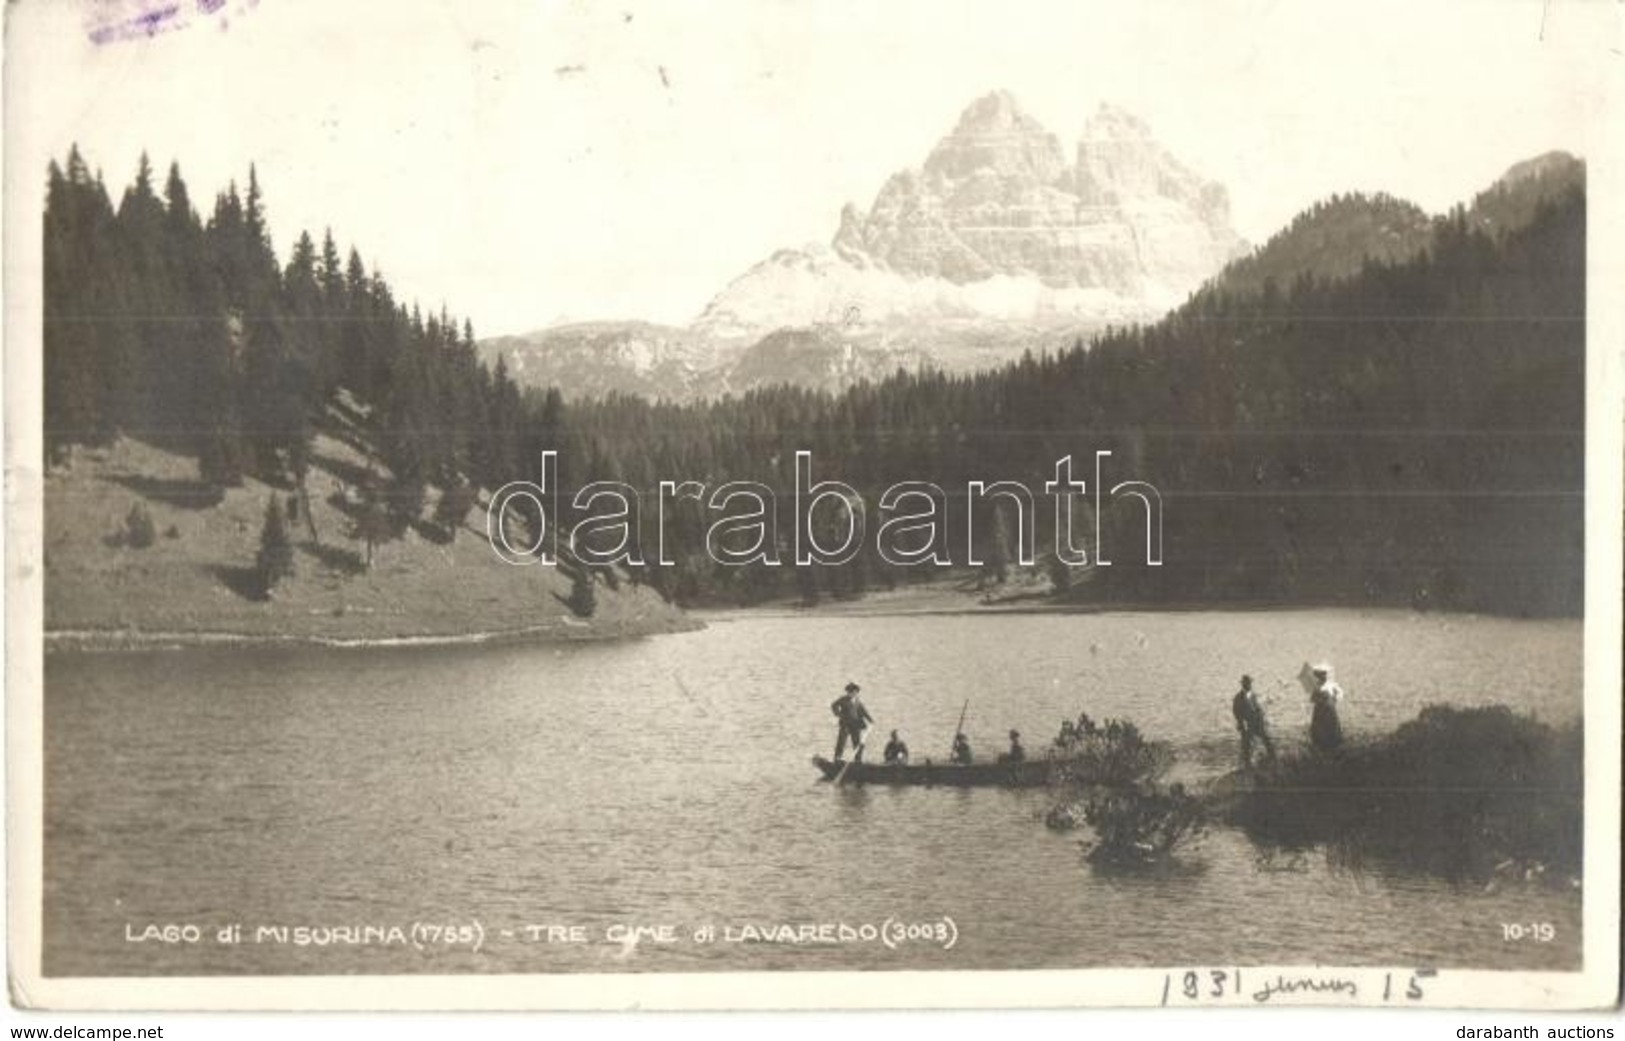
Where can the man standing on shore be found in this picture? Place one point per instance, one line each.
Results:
(853, 718)
(1249, 713)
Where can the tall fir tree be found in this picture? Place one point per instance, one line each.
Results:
(274, 562)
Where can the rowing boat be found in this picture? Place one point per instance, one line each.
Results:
(1031, 773)
(1099, 759)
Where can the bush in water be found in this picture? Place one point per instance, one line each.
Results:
(1141, 825)
(1466, 793)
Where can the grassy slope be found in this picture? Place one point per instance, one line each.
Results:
(199, 582)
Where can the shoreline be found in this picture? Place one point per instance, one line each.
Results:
(117, 640)
(940, 599)
(694, 619)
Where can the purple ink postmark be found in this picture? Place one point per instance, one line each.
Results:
(111, 21)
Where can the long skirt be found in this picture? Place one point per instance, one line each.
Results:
(1325, 730)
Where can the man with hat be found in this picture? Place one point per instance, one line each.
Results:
(1249, 713)
(853, 718)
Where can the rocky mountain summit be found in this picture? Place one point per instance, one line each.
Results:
(998, 242)
(596, 359)
(998, 197)
(998, 225)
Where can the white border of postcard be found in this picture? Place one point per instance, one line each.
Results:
(1594, 987)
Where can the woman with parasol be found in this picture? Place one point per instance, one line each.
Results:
(1325, 729)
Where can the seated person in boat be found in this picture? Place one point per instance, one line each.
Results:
(1069, 734)
(961, 754)
(1016, 753)
(896, 751)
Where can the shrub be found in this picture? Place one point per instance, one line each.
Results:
(1060, 575)
(405, 496)
(1104, 774)
(139, 530)
(275, 559)
(1459, 792)
(583, 599)
(453, 507)
(1141, 826)
(1115, 753)
(370, 522)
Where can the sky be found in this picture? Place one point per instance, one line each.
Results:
(529, 163)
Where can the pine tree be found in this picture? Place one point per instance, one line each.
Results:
(996, 568)
(261, 258)
(139, 531)
(331, 275)
(355, 363)
(299, 463)
(228, 248)
(453, 507)
(276, 364)
(221, 454)
(91, 353)
(372, 524)
(145, 280)
(73, 359)
(1060, 574)
(306, 378)
(275, 559)
(807, 584)
(583, 595)
(407, 494)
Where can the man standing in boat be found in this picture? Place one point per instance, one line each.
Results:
(853, 718)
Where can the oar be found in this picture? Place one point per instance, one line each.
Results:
(857, 747)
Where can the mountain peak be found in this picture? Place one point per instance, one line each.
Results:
(1112, 123)
(1517, 195)
(996, 111)
(1547, 164)
(994, 135)
(997, 198)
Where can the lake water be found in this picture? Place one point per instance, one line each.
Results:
(666, 782)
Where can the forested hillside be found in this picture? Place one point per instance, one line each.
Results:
(1332, 239)
(241, 447)
(1410, 432)
(162, 326)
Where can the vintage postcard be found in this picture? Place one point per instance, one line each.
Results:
(813, 505)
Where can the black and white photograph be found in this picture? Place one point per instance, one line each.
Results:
(801, 505)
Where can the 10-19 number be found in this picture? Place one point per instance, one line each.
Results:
(1540, 932)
